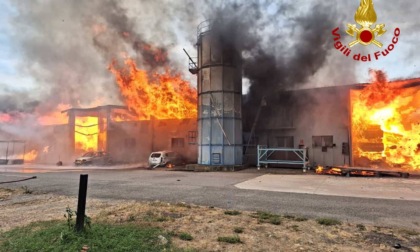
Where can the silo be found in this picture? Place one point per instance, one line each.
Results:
(219, 84)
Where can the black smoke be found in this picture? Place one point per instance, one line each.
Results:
(280, 51)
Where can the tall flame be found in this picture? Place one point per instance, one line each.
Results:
(161, 95)
(365, 14)
(386, 125)
(86, 133)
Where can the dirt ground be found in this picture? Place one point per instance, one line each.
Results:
(256, 231)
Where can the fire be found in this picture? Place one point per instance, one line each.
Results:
(86, 133)
(386, 125)
(46, 149)
(55, 117)
(30, 156)
(5, 118)
(331, 171)
(161, 95)
(319, 169)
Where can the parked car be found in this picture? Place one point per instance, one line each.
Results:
(165, 158)
(94, 158)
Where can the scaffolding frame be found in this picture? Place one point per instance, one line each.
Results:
(11, 153)
(263, 154)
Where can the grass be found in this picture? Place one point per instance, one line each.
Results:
(288, 216)
(26, 190)
(229, 239)
(361, 227)
(409, 232)
(300, 219)
(238, 230)
(185, 237)
(56, 236)
(295, 228)
(328, 221)
(232, 212)
(265, 217)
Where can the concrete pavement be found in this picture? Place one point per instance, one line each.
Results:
(363, 187)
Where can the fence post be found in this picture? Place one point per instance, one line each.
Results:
(81, 203)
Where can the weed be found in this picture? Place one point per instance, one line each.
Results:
(275, 221)
(229, 239)
(409, 232)
(300, 219)
(290, 217)
(185, 237)
(361, 227)
(328, 221)
(183, 204)
(264, 217)
(295, 228)
(26, 190)
(238, 230)
(71, 223)
(161, 219)
(131, 218)
(232, 212)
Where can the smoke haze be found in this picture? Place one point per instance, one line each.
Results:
(66, 46)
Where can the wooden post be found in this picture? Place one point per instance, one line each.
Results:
(81, 203)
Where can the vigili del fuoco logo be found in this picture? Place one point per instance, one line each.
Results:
(365, 33)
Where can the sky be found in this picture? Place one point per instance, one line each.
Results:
(29, 30)
(10, 76)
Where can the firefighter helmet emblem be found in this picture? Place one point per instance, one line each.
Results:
(365, 16)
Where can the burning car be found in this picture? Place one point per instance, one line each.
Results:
(94, 158)
(165, 158)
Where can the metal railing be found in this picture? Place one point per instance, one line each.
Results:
(264, 153)
(204, 26)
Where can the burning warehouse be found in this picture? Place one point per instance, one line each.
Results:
(364, 125)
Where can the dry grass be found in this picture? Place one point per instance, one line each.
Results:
(211, 229)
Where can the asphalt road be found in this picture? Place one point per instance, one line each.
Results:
(217, 189)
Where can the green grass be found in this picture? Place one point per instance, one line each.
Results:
(328, 221)
(229, 239)
(238, 230)
(56, 236)
(265, 217)
(185, 236)
(232, 212)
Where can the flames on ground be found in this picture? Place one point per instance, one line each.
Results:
(385, 125)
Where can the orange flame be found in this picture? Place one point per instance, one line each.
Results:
(31, 156)
(386, 125)
(163, 96)
(86, 133)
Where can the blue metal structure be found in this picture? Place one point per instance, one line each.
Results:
(264, 154)
(219, 84)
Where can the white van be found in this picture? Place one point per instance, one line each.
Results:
(164, 158)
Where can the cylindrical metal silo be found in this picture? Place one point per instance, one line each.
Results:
(219, 73)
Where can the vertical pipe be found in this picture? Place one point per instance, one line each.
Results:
(7, 151)
(81, 203)
(258, 157)
(13, 148)
(24, 148)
